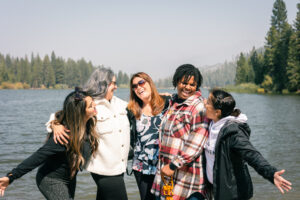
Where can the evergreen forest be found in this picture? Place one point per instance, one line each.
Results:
(276, 68)
(272, 68)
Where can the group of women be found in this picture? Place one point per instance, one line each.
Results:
(201, 145)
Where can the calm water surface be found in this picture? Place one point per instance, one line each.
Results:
(274, 120)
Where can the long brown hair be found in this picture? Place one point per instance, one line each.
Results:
(73, 117)
(135, 103)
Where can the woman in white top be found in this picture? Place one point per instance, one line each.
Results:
(109, 164)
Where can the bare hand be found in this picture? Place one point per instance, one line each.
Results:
(4, 182)
(60, 134)
(166, 171)
(281, 183)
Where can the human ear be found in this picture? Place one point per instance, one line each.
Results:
(218, 113)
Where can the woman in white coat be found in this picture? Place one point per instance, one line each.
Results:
(109, 164)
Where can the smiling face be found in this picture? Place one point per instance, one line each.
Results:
(211, 112)
(142, 89)
(90, 109)
(185, 89)
(111, 88)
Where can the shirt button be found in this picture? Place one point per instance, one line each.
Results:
(115, 116)
(120, 130)
(122, 145)
(122, 160)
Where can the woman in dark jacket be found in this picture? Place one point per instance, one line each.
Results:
(145, 110)
(228, 149)
(59, 164)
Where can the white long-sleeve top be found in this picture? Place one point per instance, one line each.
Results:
(114, 141)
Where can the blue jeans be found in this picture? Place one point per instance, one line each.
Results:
(196, 196)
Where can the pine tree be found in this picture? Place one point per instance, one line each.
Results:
(240, 76)
(59, 71)
(125, 79)
(120, 77)
(25, 71)
(58, 67)
(2, 69)
(297, 32)
(37, 71)
(256, 63)
(277, 46)
(293, 68)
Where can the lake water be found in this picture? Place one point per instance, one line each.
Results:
(274, 120)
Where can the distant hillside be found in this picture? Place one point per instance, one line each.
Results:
(219, 74)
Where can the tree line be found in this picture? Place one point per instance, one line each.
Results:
(56, 72)
(276, 67)
(47, 72)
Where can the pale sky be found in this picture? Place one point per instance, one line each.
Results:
(154, 36)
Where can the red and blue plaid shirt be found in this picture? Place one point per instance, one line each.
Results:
(184, 131)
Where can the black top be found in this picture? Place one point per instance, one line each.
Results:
(53, 158)
(233, 150)
(132, 121)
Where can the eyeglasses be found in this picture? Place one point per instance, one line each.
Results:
(141, 83)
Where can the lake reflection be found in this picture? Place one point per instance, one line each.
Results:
(274, 121)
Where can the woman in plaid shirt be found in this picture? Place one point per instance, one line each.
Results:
(183, 132)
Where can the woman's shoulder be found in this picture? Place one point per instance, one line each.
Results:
(119, 100)
(235, 127)
(167, 100)
(50, 143)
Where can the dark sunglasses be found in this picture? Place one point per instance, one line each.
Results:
(141, 83)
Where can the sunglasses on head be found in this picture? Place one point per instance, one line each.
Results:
(141, 83)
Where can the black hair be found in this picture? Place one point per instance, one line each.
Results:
(225, 102)
(187, 71)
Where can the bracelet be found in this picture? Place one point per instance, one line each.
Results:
(172, 166)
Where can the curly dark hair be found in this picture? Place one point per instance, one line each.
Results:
(187, 71)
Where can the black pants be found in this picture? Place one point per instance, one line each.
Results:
(54, 188)
(110, 187)
(144, 183)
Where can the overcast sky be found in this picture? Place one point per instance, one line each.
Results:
(153, 36)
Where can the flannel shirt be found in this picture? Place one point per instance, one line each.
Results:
(183, 133)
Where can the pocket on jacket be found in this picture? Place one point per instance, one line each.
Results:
(104, 124)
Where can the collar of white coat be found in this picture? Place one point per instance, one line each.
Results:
(105, 102)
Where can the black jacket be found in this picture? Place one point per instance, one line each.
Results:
(52, 159)
(233, 149)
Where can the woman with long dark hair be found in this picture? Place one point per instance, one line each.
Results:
(146, 108)
(59, 164)
(109, 164)
(228, 149)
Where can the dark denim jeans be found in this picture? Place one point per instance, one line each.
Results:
(196, 196)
